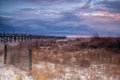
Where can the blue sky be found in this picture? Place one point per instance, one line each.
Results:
(61, 17)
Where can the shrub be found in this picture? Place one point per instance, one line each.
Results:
(84, 63)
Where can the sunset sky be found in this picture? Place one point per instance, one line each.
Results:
(61, 17)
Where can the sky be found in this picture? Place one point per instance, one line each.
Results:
(61, 17)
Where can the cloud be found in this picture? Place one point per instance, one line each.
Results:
(87, 17)
(44, 1)
(112, 6)
(102, 23)
(70, 16)
(5, 25)
(34, 13)
(56, 1)
(67, 24)
(104, 16)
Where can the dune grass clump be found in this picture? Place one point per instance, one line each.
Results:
(1, 52)
(104, 42)
(38, 74)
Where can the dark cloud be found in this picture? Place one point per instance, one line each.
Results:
(56, 1)
(112, 6)
(46, 27)
(103, 5)
(69, 16)
(43, 1)
(5, 25)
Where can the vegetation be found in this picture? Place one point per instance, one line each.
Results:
(78, 55)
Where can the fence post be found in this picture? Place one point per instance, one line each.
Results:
(5, 53)
(30, 58)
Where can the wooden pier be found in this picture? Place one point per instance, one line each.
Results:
(26, 37)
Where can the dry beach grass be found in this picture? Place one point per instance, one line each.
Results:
(95, 59)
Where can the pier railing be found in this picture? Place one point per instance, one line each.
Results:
(26, 37)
